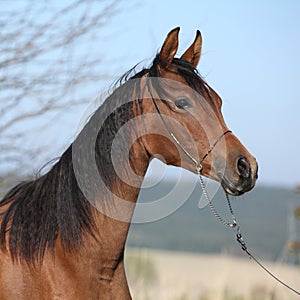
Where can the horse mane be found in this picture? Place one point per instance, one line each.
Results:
(40, 211)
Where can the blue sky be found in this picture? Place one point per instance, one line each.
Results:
(250, 56)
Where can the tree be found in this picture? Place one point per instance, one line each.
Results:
(46, 59)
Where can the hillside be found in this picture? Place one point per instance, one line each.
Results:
(262, 214)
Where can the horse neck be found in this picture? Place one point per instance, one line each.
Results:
(109, 159)
(109, 162)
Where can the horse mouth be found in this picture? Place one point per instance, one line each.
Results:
(231, 190)
(234, 189)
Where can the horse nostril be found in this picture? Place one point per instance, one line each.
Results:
(243, 167)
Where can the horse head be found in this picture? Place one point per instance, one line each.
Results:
(191, 127)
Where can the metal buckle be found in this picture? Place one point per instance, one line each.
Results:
(198, 168)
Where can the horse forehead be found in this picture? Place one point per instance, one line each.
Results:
(172, 73)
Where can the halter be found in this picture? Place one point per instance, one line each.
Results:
(234, 224)
(198, 166)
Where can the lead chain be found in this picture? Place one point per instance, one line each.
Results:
(234, 225)
(213, 209)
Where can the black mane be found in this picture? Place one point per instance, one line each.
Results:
(53, 205)
(42, 209)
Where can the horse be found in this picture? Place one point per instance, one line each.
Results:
(63, 234)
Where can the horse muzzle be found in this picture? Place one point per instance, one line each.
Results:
(240, 179)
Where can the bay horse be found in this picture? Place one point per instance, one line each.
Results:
(62, 235)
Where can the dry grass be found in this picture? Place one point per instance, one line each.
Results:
(186, 276)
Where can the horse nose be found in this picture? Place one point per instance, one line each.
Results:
(243, 167)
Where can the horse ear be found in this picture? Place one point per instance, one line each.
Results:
(193, 53)
(170, 46)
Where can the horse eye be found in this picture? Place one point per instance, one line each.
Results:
(182, 103)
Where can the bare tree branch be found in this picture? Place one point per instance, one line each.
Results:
(45, 63)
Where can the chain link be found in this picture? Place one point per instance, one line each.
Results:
(213, 209)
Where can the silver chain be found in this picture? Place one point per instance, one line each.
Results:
(234, 224)
(213, 209)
